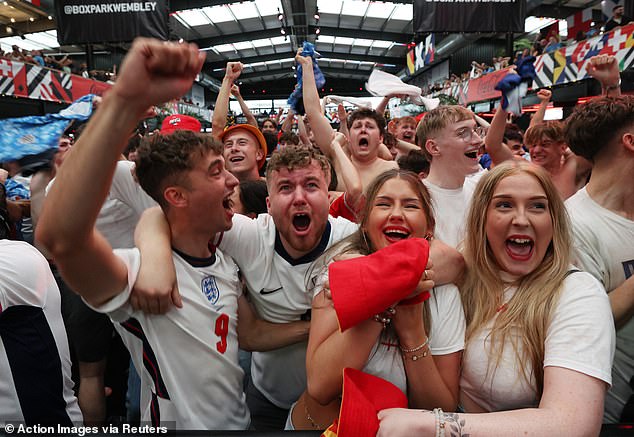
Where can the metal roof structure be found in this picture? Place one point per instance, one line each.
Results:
(352, 36)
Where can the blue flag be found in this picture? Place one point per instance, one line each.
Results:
(35, 134)
(295, 99)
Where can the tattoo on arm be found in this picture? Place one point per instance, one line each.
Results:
(454, 424)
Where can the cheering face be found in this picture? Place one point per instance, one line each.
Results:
(406, 131)
(547, 153)
(458, 144)
(519, 227)
(365, 138)
(209, 194)
(396, 214)
(241, 151)
(268, 126)
(298, 203)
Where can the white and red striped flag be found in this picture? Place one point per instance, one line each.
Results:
(33, 2)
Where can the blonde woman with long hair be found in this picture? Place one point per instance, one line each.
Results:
(540, 335)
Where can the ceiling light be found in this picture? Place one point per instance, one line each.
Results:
(282, 31)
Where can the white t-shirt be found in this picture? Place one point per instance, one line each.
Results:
(604, 247)
(188, 357)
(451, 207)
(277, 288)
(36, 384)
(122, 208)
(579, 337)
(447, 336)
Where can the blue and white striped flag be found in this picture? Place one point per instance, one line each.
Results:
(35, 134)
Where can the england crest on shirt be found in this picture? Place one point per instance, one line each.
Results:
(210, 289)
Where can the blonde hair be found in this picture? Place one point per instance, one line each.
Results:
(436, 120)
(529, 310)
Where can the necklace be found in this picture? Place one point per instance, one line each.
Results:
(502, 308)
(314, 424)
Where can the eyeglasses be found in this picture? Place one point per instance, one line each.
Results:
(466, 134)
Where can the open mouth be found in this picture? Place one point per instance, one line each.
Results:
(394, 233)
(520, 248)
(472, 155)
(301, 222)
(363, 142)
(227, 203)
(235, 159)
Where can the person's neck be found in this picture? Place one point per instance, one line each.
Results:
(553, 169)
(365, 161)
(610, 189)
(445, 178)
(187, 240)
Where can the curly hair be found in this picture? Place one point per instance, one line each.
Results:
(293, 157)
(595, 125)
(164, 160)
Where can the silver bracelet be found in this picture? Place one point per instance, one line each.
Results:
(440, 422)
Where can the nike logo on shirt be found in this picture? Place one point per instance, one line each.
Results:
(263, 291)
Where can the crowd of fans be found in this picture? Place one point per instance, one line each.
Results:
(542, 44)
(274, 257)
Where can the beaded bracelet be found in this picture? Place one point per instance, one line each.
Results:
(417, 348)
(385, 318)
(440, 422)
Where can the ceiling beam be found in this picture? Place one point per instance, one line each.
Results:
(289, 54)
(402, 38)
(260, 75)
(237, 37)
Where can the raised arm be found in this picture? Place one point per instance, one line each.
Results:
(494, 140)
(322, 131)
(235, 92)
(84, 257)
(605, 69)
(544, 96)
(221, 108)
(287, 124)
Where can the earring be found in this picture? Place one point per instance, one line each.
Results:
(429, 236)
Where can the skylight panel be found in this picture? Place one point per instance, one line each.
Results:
(354, 7)
(403, 12)
(224, 48)
(218, 14)
(242, 45)
(243, 11)
(44, 39)
(193, 17)
(363, 42)
(344, 40)
(379, 9)
(326, 39)
(268, 7)
(265, 42)
(279, 40)
(382, 44)
(329, 6)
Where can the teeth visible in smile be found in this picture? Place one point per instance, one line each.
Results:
(393, 231)
(520, 240)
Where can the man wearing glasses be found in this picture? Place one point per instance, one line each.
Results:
(448, 137)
